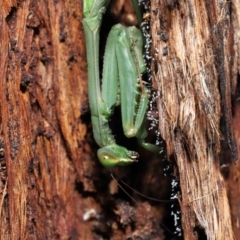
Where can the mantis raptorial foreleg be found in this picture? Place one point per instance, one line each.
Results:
(123, 65)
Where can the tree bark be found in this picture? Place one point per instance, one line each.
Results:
(51, 183)
(196, 51)
(43, 96)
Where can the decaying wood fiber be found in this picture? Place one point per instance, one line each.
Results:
(51, 183)
(43, 76)
(195, 45)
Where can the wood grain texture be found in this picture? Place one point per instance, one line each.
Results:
(43, 96)
(193, 70)
(51, 183)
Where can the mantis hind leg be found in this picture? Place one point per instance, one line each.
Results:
(134, 95)
(140, 123)
(141, 135)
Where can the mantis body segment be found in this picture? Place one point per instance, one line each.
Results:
(122, 69)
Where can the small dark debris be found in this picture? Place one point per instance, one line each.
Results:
(62, 36)
(13, 44)
(31, 166)
(25, 80)
(2, 150)
(165, 51)
(46, 60)
(171, 4)
(11, 18)
(85, 108)
(163, 36)
(85, 112)
(155, 12)
(71, 57)
(63, 33)
(24, 59)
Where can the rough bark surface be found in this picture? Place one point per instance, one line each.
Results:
(51, 183)
(43, 76)
(195, 72)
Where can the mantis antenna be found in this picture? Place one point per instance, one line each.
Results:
(140, 194)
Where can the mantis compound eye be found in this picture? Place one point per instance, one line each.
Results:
(115, 155)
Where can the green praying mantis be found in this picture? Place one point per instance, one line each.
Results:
(121, 84)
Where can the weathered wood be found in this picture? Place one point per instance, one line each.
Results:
(43, 94)
(193, 70)
(51, 183)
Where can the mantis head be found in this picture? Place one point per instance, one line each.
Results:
(115, 155)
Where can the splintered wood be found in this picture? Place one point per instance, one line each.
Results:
(193, 66)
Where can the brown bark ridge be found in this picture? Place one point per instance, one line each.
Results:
(233, 180)
(51, 183)
(195, 48)
(42, 92)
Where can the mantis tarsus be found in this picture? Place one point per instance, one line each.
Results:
(121, 84)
